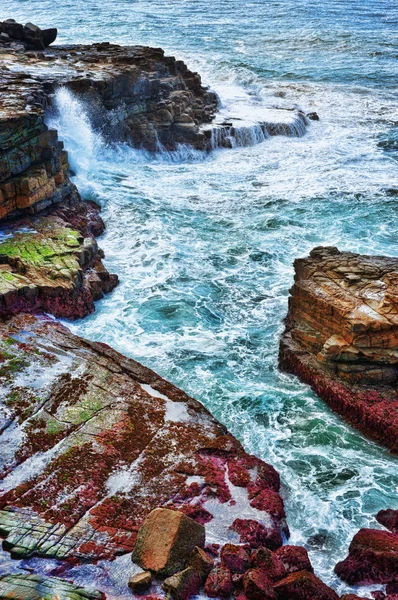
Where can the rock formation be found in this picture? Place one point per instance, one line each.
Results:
(25, 37)
(373, 556)
(341, 337)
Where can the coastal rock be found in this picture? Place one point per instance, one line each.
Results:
(235, 558)
(200, 561)
(141, 582)
(184, 584)
(35, 587)
(294, 558)
(219, 583)
(165, 540)
(258, 586)
(111, 440)
(372, 558)
(388, 518)
(30, 35)
(303, 585)
(341, 337)
(270, 563)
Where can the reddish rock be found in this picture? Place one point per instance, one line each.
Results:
(257, 586)
(184, 584)
(341, 337)
(372, 558)
(235, 558)
(303, 585)
(219, 583)
(200, 561)
(352, 597)
(256, 534)
(269, 562)
(165, 541)
(141, 582)
(294, 558)
(392, 588)
(388, 518)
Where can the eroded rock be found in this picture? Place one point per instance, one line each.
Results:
(342, 337)
(165, 541)
(35, 587)
(141, 582)
(303, 585)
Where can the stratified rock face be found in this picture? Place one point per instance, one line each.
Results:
(34, 587)
(342, 337)
(92, 442)
(372, 558)
(46, 265)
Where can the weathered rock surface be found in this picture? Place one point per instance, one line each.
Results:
(93, 442)
(388, 518)
(165, 540)
(372, 558)
(141, 582)
(303, 585)
(34, 587)
(342, 337)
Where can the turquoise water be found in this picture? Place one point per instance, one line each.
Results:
(204, 245)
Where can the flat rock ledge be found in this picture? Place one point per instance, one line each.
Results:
(341, 337)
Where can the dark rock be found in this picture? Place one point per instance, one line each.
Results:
(219, 583)
(235, 558)
(313, 116)
(303, 585)
(258, 586)
(165, 541)
(184, 584)
(200, 561)
(141, 582)
(270, 563)
(388, 518)
(294, 558)
(372, 558)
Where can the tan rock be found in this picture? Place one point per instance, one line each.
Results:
(165, 541)
(140, 582)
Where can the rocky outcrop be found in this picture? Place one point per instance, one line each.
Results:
(341, 337)
(372, 558)
(26, 37)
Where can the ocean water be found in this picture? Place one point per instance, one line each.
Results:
(204, 245)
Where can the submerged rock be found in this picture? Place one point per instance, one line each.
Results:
(341, 337)
(372, 558)
(165, 541)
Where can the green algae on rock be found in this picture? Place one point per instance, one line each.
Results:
(35, 587)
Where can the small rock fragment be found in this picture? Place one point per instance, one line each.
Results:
(184, 584)
(140, 582)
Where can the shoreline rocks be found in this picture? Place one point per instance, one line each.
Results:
(341, 337)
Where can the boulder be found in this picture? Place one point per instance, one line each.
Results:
(303, 585)
(257, 534)
(257, 586)
(235, 558)
(165, 541)
(141, 582)
(184, 584)
(372, 558)
(388, 518)
(270, 563)
(200, 561)
(219, 583)
(294, 558)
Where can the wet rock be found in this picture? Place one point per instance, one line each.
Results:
(36, 587)
(165, 541)
(270, 563)
(200, 561)
(372, 558)
(392, 588)
(258, 586)
(184, 584)
(32, 36)
(341, 337)
(235, 558)
(257, 534)
(294, 558)
(303, 585)
(313, 116)
(141, 582)
(219, 583)
(103, 413)
(388, 518)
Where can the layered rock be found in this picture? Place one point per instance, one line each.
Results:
(341, 337)
(109, 441)
(35, 587)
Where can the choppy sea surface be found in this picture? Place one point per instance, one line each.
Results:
(204, 245)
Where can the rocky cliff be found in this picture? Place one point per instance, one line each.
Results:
(341, 337)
